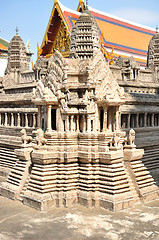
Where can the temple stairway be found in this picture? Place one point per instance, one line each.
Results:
(7, 160)
(151, 158)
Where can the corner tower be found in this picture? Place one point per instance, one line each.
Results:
(18, 57)
(85, 37)
(153, 52)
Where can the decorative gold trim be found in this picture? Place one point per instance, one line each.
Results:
(107, 55)
(81, 6)
(64, 21)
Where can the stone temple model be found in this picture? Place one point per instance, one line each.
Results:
(61, 123)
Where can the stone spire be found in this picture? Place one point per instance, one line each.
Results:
(153, 51)
(85, 37)
(18, 58)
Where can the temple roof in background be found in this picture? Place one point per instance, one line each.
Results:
(127, 38)
(3, 48)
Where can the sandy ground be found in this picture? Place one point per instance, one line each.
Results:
(21, 222)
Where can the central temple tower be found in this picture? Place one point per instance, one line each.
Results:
(85, 37)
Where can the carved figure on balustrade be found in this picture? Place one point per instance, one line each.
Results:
(25, 139)
(40, 139)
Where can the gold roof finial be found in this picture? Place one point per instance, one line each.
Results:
(55, 2)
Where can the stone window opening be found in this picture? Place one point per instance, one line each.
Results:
(156, 120)
(15, 119)
(134, 73)
(9, 119)
(64, 125)
(69, 123)
(133, 121)
(141, 120)
(149, 120)
(80, 123)
(101, 119)
(111, 118)
(124, 120)
(91, 125)
(53, 119)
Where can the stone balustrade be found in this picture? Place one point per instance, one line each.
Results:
(18, 119)
(138, 120)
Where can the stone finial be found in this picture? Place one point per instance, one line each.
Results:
(17, 31)
(26, 140)
(156, 28)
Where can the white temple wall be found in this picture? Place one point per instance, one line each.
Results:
(3, 65)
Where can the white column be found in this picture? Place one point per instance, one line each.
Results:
(128, 123)
(145, 120)
(6, 119)
(77, 123)
(49, 128)
(88, 124)
(105, 119)
(109, 123)
(34, 120)
(117, 118)
(39, 117)
(12, 120)
(84, 123)
(67, 123)
(18, 119)
(26, 120)
(137, 120)
(72, 123)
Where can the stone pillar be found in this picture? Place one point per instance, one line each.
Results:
(34, 120)
(49, 128)
(105, 119)
(88, 124)
(128, 124)
(117, 119)
(152, 120)
(67, 123)
(72, 123)
(77, 123)
(12, 120)
(26, 120)
(145, 120)
(39, 117)
(59, 122)
(6, 119)
(137, 120)
(18, 119)
(109, 123)
(84, 123)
